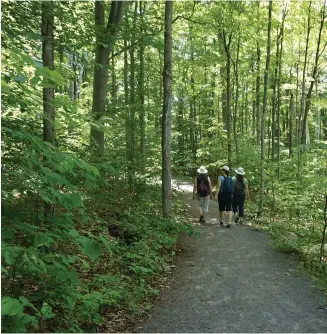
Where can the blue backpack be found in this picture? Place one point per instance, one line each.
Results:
(228, 185)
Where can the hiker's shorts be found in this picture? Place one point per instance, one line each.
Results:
(203, 203)
(225, 201)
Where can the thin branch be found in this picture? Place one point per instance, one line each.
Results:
(183, 17)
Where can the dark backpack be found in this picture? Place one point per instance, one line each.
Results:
(202, 187)
(228, 185)
(239, 188)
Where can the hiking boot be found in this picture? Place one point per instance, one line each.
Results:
(228, 225)
(221, 223)
(201, 219)
(237, 218)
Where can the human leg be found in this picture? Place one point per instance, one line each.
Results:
(200, 207)
(205, 207)
(221, 207)
(228, 204)
(235, 210)
(241, 211)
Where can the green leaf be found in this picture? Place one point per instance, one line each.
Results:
(4, 87)
(55, 77)
(24, 300)
(90, 247)
(41, 239)
(20, 78)
(94, 170)
(9, 257)
(76, 199)
(74, 233)
(11, 306)
(95, 127)
(46, 311)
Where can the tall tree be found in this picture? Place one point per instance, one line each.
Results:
(105, 42)
(264, 113)
(301, 124)
(166, 113)
(314, 76)
(48, 92)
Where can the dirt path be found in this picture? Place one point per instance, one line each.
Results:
(232, 280)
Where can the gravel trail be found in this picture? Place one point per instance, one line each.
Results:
(232, 280)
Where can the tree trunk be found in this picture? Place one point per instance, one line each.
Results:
(106, 37)
(141, 92)
(264, 112)
(273, 108)
(305, 127)
(279, 89)
(49, 133)
(291, 125)
(258, 82)
(166, 113)
(227, 44)
(132, 104)
(236, 97)
(301, 122)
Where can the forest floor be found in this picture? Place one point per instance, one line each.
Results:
(232, 280)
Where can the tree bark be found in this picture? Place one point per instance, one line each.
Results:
(49, 133)
(301, 122)
(103, 49)
(291, 125)
(141, 91)
(166, 113)
(258, 82)
(305, 129)
(48, 61)
(236, 97)
(227, 42)
(264, 112)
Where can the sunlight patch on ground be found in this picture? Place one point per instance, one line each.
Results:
(175, 184)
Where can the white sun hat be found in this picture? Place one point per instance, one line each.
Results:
(240, 171)
(226, 168)
(202, 170)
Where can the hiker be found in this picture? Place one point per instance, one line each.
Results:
(241, 192)
(203, 189)
(224, 194)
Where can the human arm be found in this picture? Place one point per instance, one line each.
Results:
(210, 187)
(194, 188)
(218, 188)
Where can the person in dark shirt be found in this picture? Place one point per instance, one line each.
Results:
(203, 189)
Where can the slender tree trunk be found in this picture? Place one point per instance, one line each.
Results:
(48, 61)
(258, 80)
(236, 97)
(166, 113)
(264, 111)
(128, 124)
(132, 103)
(227, 44)
(305, 128)
(302, 123)
(141, 91)
(49, 133)
(291, 125)
(113, 78)
(258, 95)
(101, 64)
(273, 108)
(279, 89)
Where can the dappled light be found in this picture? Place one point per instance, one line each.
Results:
(138, 134)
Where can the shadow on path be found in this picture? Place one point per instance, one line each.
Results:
(232, 280)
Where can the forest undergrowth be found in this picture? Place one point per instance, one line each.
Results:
(95, 263)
